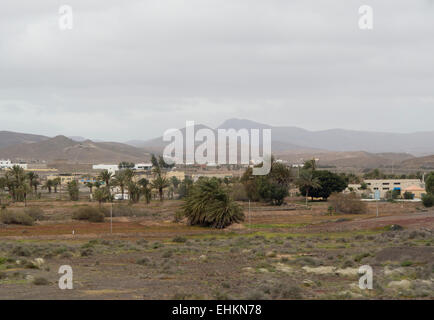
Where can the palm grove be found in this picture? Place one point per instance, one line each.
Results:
(208, 202)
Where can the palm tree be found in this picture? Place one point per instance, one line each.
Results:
(56, 182)
(281, 174)
(15, 179)
(146, 190)
(22, 191)
(209, 204)
(32, 176)
(90, 186)
(134, 191)
(123, 178)
(175, 182)
(160, 183)
(310, 164)
(35, 185)
(105, 176)
(102, 194)
(48, 185)
(308, 182)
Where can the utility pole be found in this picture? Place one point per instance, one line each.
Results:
(111, 218)
(250, 219)
(377, 207)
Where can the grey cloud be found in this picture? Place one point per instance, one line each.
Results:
(132, 69)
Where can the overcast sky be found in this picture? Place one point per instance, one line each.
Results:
(132, 69)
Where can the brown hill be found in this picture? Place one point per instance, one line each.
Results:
(419, 163)
(356, 159)
(87, 151)
(9, 138)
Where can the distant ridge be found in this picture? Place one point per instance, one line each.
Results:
(61, 147)
(293, 138)
(9, 138)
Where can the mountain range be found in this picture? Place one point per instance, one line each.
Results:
(294, 138)
(334, 147)
(63, 148)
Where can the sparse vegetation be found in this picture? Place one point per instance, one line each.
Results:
(347, 203)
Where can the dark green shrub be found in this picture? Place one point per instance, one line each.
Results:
(39, 281)
(361, 256)
(428, 200)
(179, 239)
(86, 252)
(144, 261)
(408, 195)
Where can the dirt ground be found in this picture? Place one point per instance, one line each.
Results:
(296, 253)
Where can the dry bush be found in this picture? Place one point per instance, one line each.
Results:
(347, 203)
(35, 212)
(88, 213)
(17, 217)
(124, 211)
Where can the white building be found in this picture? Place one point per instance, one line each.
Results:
(112, 168)
(7, 164)
(143, 166)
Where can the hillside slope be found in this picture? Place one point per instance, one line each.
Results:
(9, 138)
(63, 148)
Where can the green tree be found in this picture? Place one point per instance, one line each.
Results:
(363, 186)
(15, 180)
(145, 189)
(251, 185)
(329, 183)
(35, 185)
(56, 182)
(175, 182)
(122, 178)
(90, 186)
(134, 191)
(429, 183)
(126, 165)
(272, 192)
(22, 191)
(48, 185)
(281, 174)
(160, 183)
(73, 190)
(185, 187)
(310, 165)
(154, 161)
(32, 177)
(209, 204)
(102, 195)
(428, 200)
(307, 182)
(105, 176)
